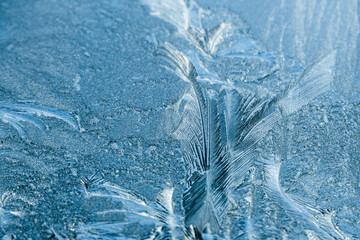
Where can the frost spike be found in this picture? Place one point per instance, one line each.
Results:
(17, 112)
(311, 218)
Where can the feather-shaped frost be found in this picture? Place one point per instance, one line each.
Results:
(186, 17)
(175, 12)
(172, 227)
(218, 134)
(133, 203)
(248, 118)
(215, 37)
(205, 200)
(311, 219)
(14, 113)
(110, 221)
(262, 116)
(315, 81)
(127, 207)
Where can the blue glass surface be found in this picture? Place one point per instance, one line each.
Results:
(179, 119)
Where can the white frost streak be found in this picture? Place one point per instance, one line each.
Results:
(311, 219)
(315, 81)
(77, 83)
(214, 168)
(175, 12)
(133, 209)
(16, 112)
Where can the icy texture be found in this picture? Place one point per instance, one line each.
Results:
(179, 119)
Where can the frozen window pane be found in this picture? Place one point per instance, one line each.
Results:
(179, 119)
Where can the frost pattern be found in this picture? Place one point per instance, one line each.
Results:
(316, 222)
(10, 216)
(128, 208)
(220, 127)
(219, 123)
(14, 113)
